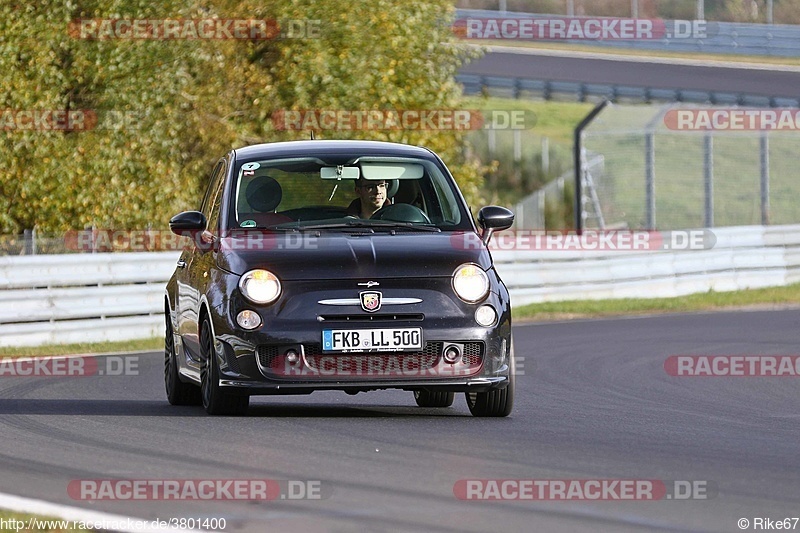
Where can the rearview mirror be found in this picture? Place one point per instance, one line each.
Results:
(188, 223)
(339, 173)
(494, 218)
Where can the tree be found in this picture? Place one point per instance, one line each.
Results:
(164, 109)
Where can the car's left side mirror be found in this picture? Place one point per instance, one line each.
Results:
(494, 218)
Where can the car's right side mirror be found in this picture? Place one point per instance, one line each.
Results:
(494, 218)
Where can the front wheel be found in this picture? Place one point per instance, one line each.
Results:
(425, 398)
(495, 403)
(215, 400)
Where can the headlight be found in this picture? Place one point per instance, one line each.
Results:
(470, 283)
(260, 286)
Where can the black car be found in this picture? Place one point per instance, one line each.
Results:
(337, 265)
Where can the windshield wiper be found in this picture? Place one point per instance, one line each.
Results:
(370, 225)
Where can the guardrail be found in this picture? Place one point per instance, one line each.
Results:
(105, 297)
(75, 298)
(746, 257)
(782, 40)
(546, 89)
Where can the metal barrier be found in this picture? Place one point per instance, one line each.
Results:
(782, 40)
(582, 92)
(743, 258)
(106, 297)
(65, 299)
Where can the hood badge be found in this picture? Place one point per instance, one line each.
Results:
(370, 301)
(369, 284)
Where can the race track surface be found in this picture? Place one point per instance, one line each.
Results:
(593, 402)
(633, 72)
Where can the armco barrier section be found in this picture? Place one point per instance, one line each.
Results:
(782, 40)
(76, 298)
(59, 299)
(743, 258)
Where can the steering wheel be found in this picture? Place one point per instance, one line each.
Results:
(402, 213)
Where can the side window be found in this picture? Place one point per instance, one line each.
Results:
(211, 209)
(205, 207)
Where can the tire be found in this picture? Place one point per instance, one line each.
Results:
(425, 398)
(215, 401)
(495, 403)
(178, 392)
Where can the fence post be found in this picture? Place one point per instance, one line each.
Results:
(570, 8)
(708, 176)
(635, 9)
(545, 155)
(701, 10)
(765, 179)
(579, 157)
(30, 242)
(650, 177)
(503, 5)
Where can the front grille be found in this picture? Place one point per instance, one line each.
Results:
(272, 363)
(267, 355)
(473, 353)
(408, 361)
(414, 317)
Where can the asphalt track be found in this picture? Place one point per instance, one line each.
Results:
(638, 72)
(593, 401)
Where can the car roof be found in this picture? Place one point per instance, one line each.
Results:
(321, 148)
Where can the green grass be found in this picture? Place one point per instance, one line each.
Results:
(555, 120)
(156, 343)
(6, 516)
(756, 298)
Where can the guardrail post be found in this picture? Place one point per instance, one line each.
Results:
(650, 177)
(765, 179)
(708, 177)
(30, 241)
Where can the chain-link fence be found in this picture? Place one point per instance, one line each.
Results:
(681, 166)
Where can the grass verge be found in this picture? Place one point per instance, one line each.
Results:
(156, 343)
(34, 523)
(709, 301)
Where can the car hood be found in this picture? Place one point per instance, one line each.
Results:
(305, 256)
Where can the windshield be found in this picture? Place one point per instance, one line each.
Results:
(377, 193)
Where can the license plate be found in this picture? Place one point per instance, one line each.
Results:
(371, 340)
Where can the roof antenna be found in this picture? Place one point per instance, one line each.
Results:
(312, 135)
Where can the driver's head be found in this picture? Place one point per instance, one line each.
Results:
(372, 194)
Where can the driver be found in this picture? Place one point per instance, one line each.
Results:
(371, 197)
